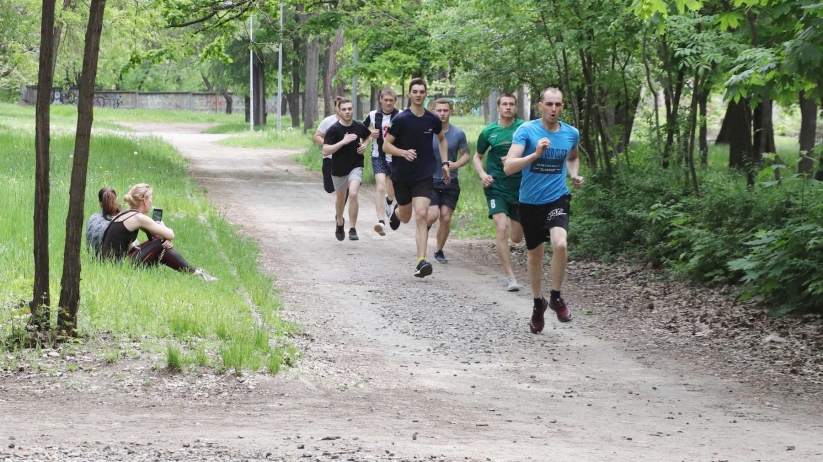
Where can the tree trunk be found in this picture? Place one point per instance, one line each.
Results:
(40, 293)
(260, 111)
(672, 109)
(332, 65)
(70, 283)
(294, 96)
(312, 72)
(703, 135)
(374, 97)
(763, 129)
(696, 93)
(229, 101)
(808, 135)
(738, 118)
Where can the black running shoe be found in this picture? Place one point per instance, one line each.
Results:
(339, 232)
(423, 269)
(440, 257)
(394, 222)
(353, 234)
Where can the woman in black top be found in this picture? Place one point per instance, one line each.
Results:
(120, 240)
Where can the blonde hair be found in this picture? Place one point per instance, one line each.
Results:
(137, 194)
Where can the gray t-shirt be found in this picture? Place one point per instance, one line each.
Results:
(95, 228)
(456, 139)
(324, 126)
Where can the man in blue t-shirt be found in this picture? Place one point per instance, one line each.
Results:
(444, 196)
(550, 148)
(409, 141)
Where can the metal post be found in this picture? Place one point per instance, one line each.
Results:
(280, 72)
(251, 73)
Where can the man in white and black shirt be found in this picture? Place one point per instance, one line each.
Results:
(381, 119)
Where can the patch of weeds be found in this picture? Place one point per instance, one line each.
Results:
(72, 367)
(146, 384)
(111, 355)
(261, 340)
(235, 355)
(174, 359)
(273, 362)
(201, 357)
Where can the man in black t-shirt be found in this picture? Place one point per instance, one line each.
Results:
(343, 142)
(409, 141)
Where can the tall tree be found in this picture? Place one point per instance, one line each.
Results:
(312, 82)
(70, 283)
(808, 132)
(41, 296)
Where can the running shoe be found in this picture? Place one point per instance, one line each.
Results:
(423, 269)
(538, 322)
(204, 275)
(389, 205)
(440, 257)
(394, 222)
(559, 307)
(380, 227)
(512, 285)
(339, 232)
(353, 234)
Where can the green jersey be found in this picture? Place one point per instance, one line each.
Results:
(497, 140)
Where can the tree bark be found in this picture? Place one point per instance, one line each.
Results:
(332, 65)
(260, 111)
(312, 73)
(703, 134)
(808, 132)
(41, 296)
(229, 101)
(294, 96)
(738, 118)
(374, 97)
(70, 283)
(696, 92)
(763, 128)
(672, 109)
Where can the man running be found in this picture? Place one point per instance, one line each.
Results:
(410, 142)
(502, 191)
(381, 163)
(444, 197)
(544, 197)
(342, 144)
(319, 134)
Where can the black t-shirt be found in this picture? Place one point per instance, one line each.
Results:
(346, 158)
(413, 132)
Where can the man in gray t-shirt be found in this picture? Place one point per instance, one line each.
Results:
(444, 196)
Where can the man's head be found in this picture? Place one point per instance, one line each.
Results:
(345, 109)
(337, 100)
(551, 104)
(507, 105)
(387, 99)
(443, 109)
(418, 91)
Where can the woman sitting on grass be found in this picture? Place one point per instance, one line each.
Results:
(120, 240)
(97, 224)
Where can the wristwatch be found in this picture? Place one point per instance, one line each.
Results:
(445, 164)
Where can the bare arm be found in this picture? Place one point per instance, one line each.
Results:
(154, 228)
(318, 138)
(444, 156)
(463, 160)
(477, 162)
(514, 160)
(573, 168)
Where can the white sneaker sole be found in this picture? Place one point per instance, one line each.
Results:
(381, 230)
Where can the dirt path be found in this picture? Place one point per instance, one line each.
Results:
(397, 368)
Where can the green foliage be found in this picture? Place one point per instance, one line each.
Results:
(174, 358)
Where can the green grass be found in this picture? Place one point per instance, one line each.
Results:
(157, 304)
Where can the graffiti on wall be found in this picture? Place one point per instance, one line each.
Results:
(111, 101)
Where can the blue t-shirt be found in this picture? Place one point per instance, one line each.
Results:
(413, 132)
(456, 140)
(544, 181)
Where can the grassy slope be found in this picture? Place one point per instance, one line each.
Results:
(122, 300)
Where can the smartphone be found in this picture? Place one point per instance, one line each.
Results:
(157, 215)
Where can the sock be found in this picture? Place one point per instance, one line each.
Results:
(419, 259)
(389, 201)
(352, 229)
(382, 222)
(538, 302)
(555, 295)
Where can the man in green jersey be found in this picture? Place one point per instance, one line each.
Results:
(502, 191)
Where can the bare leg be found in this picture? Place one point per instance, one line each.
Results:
(380, 187)
(421, 211)
(559, 256)
(354, 204)
(433, 215)
(536, 270)
(390, 188)
(501, 220)
(404, 212)
(445, 226)
(516, 231)
(339, 204)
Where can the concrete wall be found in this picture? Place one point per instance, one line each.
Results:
(189, 101)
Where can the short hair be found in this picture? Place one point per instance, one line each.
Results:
(337, 100)
(340, 100)
(444, 101)
(550, 90)
(506, 95)
(418, 81)
(388, 91)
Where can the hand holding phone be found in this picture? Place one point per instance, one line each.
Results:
(157, 215)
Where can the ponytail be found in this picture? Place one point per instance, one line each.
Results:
(108, 201)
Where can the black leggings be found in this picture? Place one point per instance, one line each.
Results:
(151, 253)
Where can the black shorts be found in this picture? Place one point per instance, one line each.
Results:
(445, 194)
(328, 183)
(404, 191)
(537, 220)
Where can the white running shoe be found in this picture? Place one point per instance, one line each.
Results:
(380, 228)
(389, 205)
(512, 285)
(204, 275)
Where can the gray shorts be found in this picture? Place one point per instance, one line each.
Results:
(341, 183)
